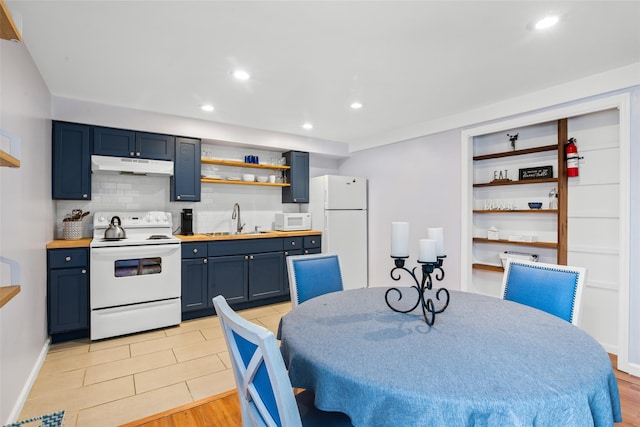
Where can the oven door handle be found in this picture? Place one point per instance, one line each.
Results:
(144, 250)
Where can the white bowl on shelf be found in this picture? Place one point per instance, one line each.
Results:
(262, 178)
(249, 177)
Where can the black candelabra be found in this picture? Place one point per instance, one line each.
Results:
(429, 310)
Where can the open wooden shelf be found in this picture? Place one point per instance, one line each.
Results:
(541, 149)
(239, 182)
(8, 29)
(520, 182)
(534, 211)
(488, 267)
(7, 293)
(7, 160)
(243, 164)
(549, 245)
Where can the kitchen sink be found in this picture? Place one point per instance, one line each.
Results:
(218, 233)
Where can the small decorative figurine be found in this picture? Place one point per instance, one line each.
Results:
(513, 139)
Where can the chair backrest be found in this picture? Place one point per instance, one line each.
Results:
(313, 275)
(264, 388)
(556, 289)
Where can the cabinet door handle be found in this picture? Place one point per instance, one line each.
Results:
(306, 252)
(178, 197)
(204, 261)
(195, 250)
(313, 242)
(67, 258)
(293, 243)
(138, 154)
(246, 257)
(251, 257)
(84, 271)
(84, 196)
(286, 253)
(132, 154)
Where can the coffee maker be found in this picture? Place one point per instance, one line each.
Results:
(186, 226)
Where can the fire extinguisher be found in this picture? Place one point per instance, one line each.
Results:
(571, 154)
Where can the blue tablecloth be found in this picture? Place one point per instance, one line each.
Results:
(485, 362)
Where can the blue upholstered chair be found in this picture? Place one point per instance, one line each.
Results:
(556, 289)
(313, 275)
(264, 388)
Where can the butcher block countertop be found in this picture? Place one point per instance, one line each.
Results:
(84, 243)
(262, 235)
(62, 244)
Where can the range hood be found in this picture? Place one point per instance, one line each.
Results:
(124, 165)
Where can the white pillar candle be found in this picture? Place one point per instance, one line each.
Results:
(399, 239)
(427, 250)
(437, 234)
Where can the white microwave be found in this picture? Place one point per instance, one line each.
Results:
(293, 221)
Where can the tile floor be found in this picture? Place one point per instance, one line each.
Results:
(117, 380)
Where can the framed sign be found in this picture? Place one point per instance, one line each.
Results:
(539, 172)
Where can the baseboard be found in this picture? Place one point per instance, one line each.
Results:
(26, 389)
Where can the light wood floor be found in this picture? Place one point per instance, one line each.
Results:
(223, 410)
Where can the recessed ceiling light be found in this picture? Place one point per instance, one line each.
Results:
(356, 105)
(307, 126)
(207, 107)
(241, 75)
(546, 22)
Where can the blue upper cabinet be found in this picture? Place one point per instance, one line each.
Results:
(71, 161)
(185, 182)
(155, 146)
(128, 143)
(298, 177)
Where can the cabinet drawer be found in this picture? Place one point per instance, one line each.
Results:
(244, 247)
(67, 258)
(291, 243)
(312, 242)
(194, 250)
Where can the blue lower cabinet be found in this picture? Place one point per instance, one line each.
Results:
(67, 291)
(299, 246)
(265, 275)
(228, 276)
(194, 284)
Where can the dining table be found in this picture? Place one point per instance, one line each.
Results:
(484, 362)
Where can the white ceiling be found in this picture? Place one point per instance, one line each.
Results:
(408, 62)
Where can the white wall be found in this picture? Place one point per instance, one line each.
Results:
(26, 221)
(415, 181)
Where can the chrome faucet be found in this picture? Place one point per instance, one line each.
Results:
(236, 215)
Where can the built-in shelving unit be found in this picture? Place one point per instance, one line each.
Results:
(559, 214)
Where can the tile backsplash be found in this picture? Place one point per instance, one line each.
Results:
(213, 213)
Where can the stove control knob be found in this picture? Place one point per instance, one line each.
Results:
(148, 217)
(157, 219)
(102, 219)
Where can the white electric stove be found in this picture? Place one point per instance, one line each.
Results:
(135, 281)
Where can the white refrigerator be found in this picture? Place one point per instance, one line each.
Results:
(338, 207)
